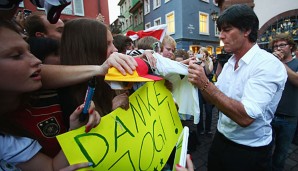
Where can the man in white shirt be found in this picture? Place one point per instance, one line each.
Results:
(247, 93)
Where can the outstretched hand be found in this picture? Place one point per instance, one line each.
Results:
(196, 74)
(123, 63)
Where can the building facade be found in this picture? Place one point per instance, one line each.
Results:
(137, 13)
(189, 22)
(131, 12)
(77, 9)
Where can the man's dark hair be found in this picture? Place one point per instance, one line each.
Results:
(242, 17)
(34, 23)
(121, 42)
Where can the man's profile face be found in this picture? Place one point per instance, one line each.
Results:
(54, 31)
(232, 38)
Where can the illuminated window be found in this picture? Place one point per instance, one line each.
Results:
(170, 21)
(209, 49)
(204, 23)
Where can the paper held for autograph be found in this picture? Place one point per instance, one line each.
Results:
(141, 138)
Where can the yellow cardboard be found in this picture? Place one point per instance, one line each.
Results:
(140, 138)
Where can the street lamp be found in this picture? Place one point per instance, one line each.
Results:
(121, 19)
(214, 15)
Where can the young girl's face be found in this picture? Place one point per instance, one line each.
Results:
(19, 69)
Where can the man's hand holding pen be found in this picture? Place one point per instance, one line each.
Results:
(196, 74)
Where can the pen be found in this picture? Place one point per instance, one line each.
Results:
(198, 62)
(88, 99)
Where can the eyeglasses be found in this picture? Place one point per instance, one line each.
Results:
(279, 46)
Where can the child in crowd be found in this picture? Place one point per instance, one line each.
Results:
(168, 47)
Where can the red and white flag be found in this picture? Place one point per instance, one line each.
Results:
(155, 31)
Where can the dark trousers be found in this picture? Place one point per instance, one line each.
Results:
(283, 133)
(225, 155)
(204, 124)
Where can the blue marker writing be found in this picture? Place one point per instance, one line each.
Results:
(88, 99)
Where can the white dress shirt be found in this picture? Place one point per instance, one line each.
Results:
(257, 83)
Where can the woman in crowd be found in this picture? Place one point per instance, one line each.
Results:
(88, 42)
(205, 127)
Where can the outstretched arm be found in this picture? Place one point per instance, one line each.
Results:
(57, 76)
(232, 108)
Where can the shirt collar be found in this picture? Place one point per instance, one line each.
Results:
(247, 58)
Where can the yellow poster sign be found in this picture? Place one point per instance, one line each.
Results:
(140, 138)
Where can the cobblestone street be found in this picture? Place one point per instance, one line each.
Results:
(200, 155)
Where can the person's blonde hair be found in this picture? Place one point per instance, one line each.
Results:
(146, 42)
(205, 51)
(168, 40)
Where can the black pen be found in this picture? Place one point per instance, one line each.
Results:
(198, 62)
(88, 99)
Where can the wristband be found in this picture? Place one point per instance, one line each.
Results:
(205, 86)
